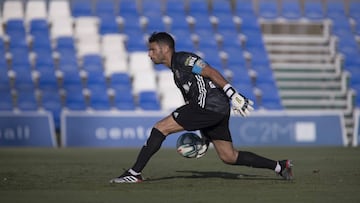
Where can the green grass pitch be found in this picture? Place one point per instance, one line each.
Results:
(326, 174)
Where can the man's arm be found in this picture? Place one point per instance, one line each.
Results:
(214, 75)
(240, 103)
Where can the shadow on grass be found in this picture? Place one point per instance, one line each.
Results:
(189, 174)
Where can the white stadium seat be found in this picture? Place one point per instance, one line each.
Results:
(35, 9)
(13, 10)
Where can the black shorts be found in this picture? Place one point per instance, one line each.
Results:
(213, 125)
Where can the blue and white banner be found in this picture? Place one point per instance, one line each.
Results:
(30, 129)
(289, 129)
(121, 129)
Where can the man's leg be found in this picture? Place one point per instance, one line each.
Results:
(153, 144)
(229, 155)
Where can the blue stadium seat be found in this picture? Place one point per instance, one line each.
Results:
(148, 7)
(47, 79)
(128, 6)
(124, 100)
(221, 7)
(135, 40)
(108, 24)
(175, 6)
(41, 40)
(225, 21)
(354, 11)
(244, 7)
(120, 80)
(95, 77)
(291, 9)
(23, 79)
(6, 101)
(155, 21)
(106, 7)
(270, 98)
(92, 62)
(335, 9)
(148, 100)
(65, 43)
(39, 24)
(81, 8)
(178, 21)
(20, 58)
(67, 57)
(268, 9)
(202, 21)
(99, 99)
(44, 60)
(235, 56)
(314, 10)
(229, 37)
(75, 99)
(198, 6)
(15, 28)
(26, 100)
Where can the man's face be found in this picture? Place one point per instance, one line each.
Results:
(156, 53)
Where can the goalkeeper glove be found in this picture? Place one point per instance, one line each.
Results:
(240, 104)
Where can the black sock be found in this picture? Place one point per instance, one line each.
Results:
(253, 160)
(152, 145)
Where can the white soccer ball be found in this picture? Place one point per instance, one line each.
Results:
(191, 145)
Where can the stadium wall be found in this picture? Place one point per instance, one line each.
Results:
(131, 129)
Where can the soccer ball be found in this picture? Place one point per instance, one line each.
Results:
(191, 145)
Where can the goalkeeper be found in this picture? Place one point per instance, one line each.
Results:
(207, 108)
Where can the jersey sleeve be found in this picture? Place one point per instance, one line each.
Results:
(194, 63)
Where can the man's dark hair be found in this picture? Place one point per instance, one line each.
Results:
(162, 37)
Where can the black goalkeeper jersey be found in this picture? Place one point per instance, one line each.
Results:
(195, 88)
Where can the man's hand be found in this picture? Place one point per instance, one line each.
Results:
(241, 105)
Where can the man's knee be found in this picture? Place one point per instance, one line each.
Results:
(228, 158)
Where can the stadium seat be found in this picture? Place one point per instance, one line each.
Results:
(61, 27)
(174, 6)
(44, 60)
(39, 24)
(148, 100)
(75, 99)
(148, 7)
(225, 21)
(98, 98)
(221, 7)
(290, 10)
(120, 81)
(178, 21)
(59, 9)
(92, 62)
(108, 24)
(106, 7)
(124, 100)
(26, 100)
(81, 8)
(314, 10)
(6, 101)
(270, 98)
(66, 42)
(12, 9)
(23, 79)
(95, 78)
(268, 9)
(47, 79)
(35, 9)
